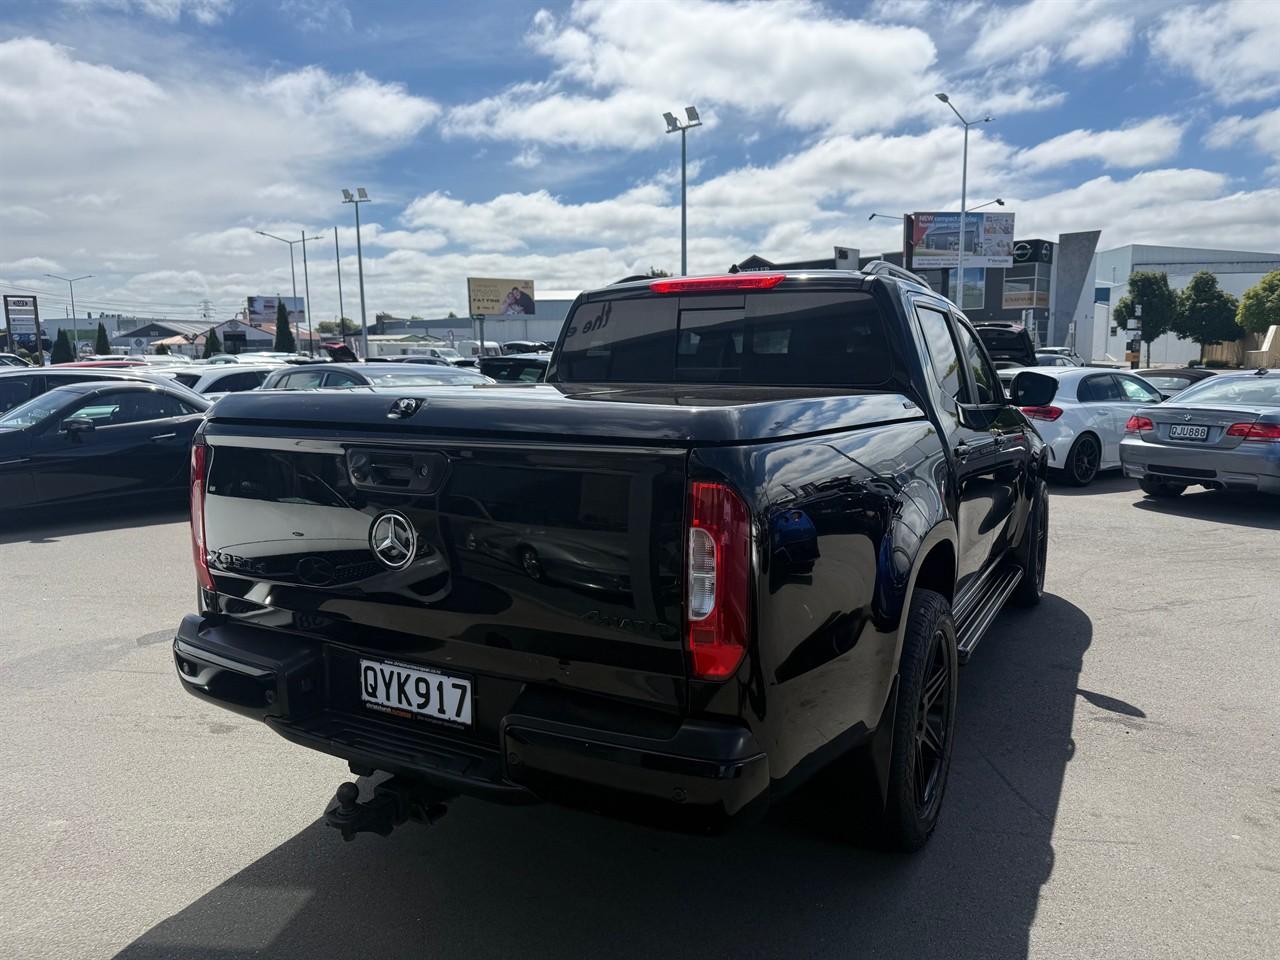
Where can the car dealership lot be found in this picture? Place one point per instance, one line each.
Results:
(1114, 789)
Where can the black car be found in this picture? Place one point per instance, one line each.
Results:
(17, 386)
(334, 376)
(98, 439)
(1005, 340)
(1173, 380)
(748, 528)
(516, 368)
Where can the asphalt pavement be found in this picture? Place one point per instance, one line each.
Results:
(1115, 790)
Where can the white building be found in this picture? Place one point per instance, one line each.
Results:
(1236, 270)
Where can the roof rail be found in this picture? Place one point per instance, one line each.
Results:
(887, 269)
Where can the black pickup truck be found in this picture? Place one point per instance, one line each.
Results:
(746, 530)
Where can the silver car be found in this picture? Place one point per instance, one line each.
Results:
(1222, 433)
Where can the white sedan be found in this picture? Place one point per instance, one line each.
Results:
(1085, 423)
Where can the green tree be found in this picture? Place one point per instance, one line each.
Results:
(451, 315)
(62, 350)
(162, 349)
(1260, 306)
(327, 327)
(1206, 313)
(1159, 306)
(212, 344)
(103, 346)
(284, 335)
(655, 272)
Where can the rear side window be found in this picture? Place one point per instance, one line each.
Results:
(235, 382)
(835, 339)
(942, 351)
(13, 391)
(1099, 389)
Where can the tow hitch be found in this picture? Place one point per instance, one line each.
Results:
(394, 801)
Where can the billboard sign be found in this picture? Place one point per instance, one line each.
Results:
(263, 310)
(490, 297)
(934, 240)
(22, 321)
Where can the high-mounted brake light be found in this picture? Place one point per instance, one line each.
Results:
(1137, 423)
(1043, 413)
(730, 281)
(199, 553)
(1255, 431)
(718, 580)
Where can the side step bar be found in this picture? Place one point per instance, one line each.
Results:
(977, 613)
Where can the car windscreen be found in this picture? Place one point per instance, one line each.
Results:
(775, 338)
(412, 378)
(34, 411)
(1166, 382)
(1253, 391)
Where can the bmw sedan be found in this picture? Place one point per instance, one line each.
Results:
(334, 376)
(1086, 421)
(1222, 434)
(96, 440)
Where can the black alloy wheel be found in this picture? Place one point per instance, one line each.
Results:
(935, 709)
(1036, 552)
(1084, 460)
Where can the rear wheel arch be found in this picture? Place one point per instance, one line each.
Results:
(936, 558)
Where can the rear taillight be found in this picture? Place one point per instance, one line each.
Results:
(199, 553)
(1136, 424)
(718, 580)
(1043, 413)
(1255, 431)
(732, 281)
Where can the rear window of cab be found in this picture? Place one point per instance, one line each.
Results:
(774, 338)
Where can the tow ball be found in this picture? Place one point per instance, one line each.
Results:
(394, 802)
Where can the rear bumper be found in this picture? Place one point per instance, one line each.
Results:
(1253, 466)
(704, 769)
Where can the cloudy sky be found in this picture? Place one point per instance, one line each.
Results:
(144, 141)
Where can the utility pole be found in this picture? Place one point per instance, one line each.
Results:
(337, 259)
(361, 197)
(306, 280)
(674, 126)
(964, 185)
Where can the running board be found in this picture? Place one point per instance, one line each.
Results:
(982, 609)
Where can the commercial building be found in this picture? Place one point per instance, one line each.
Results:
(1236, 270)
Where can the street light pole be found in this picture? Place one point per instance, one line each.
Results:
(337, 259)
(363, 197)
(674, 125)
(306, 281)
(964, 185)
(71, 285)
(293, 275)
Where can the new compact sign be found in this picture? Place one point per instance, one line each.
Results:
(933, 240)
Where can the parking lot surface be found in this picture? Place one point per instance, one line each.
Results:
(1114, 791)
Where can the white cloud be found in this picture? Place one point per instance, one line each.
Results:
(314, 16)
(1084, 31)
(31, 265)
(1230, 48)
(1262, 132)
(617, 66)
(527, 159)
(1140, 145)
(354, 105)
(203, 11)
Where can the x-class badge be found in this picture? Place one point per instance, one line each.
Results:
(393, 539)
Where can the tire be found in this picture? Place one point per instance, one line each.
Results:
(1083, 460)
(1161, 489)
(1035, 551)
(920, 760)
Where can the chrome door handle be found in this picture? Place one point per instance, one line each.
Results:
(163, 436)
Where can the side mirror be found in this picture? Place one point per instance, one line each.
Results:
(74, 426)
(1030, 389)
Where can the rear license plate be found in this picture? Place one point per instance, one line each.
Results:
(403, 690)
(1188, 431)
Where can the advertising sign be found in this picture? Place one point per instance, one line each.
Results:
(490, 297)
(22, 322)
(263, 310)
(1022, 298)
(934, 240)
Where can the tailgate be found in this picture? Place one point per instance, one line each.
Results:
(510, 564)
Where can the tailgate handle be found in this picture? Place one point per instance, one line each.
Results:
(408, 471)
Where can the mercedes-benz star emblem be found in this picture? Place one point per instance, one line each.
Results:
(393, 539)
(404, 407)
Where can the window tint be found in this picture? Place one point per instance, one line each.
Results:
(1099, 389)
(235, 382)
(187, 379)
(13, 391)
(114, 409)
(341, 380)
(774, 338)
(1137, 390)
(984, 378)
(942, 351)
(304, 380)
